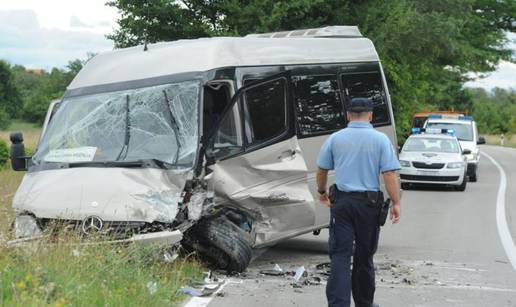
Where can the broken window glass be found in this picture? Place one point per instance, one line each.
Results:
(159, 122)
(318, 105)
(368, 85)
(267, 111)
(228, 139)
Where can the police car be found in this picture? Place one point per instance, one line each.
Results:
(465, 129)
(433, 156)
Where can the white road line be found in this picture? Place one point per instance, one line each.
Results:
(458, 287)
(501, 220)
(204, 301)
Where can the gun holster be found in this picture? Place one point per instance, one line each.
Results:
(332, 193)
(384, 211)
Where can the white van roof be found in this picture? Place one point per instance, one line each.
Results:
(312, 46)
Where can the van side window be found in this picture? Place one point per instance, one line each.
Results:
(318, 105)
(228, 138)
(368, 85)
(266, 111)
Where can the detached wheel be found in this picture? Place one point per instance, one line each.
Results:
(221, 243)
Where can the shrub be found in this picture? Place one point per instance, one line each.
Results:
(4, 153)
(5, 120)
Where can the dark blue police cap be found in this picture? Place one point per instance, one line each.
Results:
(360, 104)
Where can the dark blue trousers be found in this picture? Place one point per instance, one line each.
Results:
(352, 218)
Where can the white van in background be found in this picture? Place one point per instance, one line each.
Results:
(465, 129)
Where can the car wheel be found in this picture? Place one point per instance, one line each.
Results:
(221, 243)
(474, 177)
(462, 186)
(405, 186)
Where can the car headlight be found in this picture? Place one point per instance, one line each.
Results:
(455, 164)
(470, 157)
(26, 226)
(404, 163)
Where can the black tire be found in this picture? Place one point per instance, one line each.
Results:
(221, 243)
(405, 186)
(462, 186)
(474, 177)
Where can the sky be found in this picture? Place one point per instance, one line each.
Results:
(49, 33)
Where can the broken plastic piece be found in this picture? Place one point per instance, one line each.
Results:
(152, 286)
(272, 272)
(170, 257)
(300, 272)
(190, 291)
(278, 268)
(195, 205)
(26, 226)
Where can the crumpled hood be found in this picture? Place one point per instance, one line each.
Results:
(433, 157)
(113, 194)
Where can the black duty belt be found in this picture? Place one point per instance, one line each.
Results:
(364, 194)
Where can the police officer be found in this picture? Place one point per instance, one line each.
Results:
(358, 154)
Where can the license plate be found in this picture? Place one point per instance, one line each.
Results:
(427, 173)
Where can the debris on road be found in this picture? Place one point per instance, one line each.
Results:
(300, 272)
(209, 286)
(276, 271)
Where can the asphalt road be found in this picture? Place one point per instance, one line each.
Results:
(446, 251)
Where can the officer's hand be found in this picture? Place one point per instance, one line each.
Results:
(395, 213)
(325, 200)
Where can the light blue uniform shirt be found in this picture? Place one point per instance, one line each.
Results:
(358, 154)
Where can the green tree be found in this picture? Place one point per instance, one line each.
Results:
(494, 111)
(427, 47)
(4, 153)
(38, 90)
(10, 101)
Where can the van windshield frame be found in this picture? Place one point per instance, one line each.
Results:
(159, 123)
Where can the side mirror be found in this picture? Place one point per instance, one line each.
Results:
(18, 158)
(466, 152)
(481, 140)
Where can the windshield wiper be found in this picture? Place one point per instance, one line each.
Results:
(136, 163)
(174, 125)
(129, 164)
(125, 148)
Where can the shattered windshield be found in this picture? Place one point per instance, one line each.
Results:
(158, 123)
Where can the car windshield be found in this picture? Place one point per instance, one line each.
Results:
(431, 145)
(156, 123)
(464, 132)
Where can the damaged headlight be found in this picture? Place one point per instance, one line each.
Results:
(26, 226)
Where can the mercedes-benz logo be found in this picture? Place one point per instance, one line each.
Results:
(92, 224)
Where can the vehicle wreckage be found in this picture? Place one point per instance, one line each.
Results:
(211, 142)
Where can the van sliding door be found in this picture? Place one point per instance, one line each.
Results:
(266, 176)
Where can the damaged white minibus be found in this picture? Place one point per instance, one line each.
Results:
(211, 142)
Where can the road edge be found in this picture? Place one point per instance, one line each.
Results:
(501, 220)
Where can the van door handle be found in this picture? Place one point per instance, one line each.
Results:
(287, 154)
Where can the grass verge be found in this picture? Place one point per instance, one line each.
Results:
(68, 274)
(494, 139)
